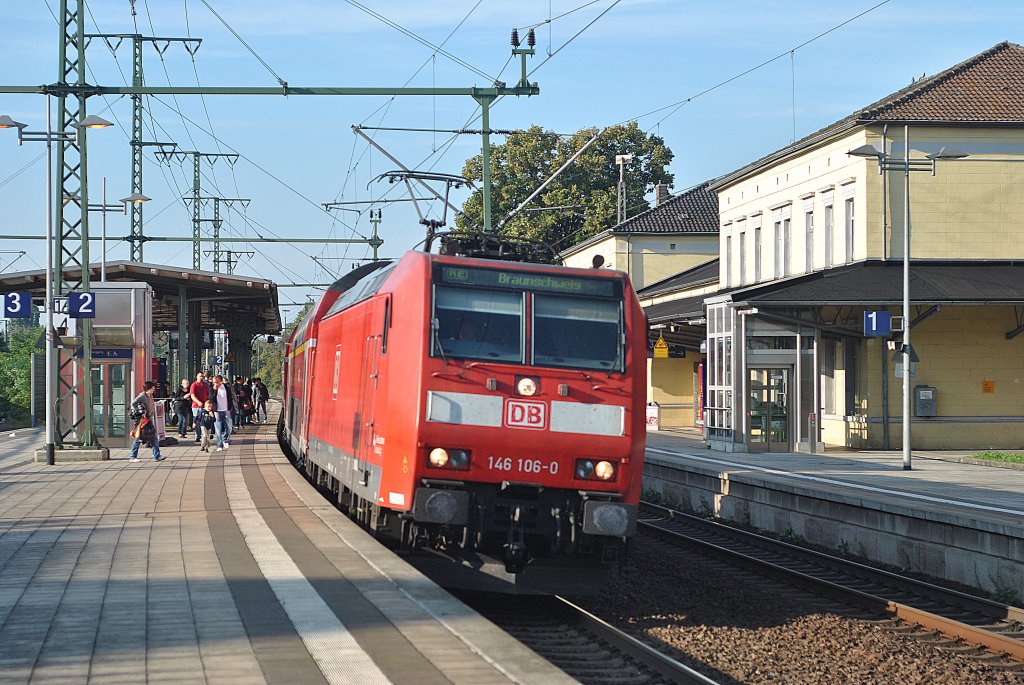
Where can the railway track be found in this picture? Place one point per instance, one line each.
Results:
(582, 645)
(956, 621)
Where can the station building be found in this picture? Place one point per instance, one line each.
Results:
(811, 242)
(679, 232)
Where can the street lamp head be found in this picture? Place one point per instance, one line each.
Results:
(946, 152)
(135, 198)
(866, 151)
(93, 121)
(7, 122)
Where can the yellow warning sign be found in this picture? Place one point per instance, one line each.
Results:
(229, 357)
(661, 348)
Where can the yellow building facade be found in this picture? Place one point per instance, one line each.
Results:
(812, 242)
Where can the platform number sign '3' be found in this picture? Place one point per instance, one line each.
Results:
(17, 305)
(82, 305)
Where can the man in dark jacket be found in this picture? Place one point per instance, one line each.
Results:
(260, 394)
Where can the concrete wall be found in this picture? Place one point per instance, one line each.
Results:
(976, 553)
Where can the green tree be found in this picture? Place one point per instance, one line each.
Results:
(588, 187)
(15, 370)
(268, 357)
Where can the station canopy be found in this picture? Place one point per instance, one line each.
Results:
(223, 298)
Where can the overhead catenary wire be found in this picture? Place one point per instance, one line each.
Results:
(679, 103)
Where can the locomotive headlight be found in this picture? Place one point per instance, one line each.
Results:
(605, 470)
(458, 459)
(584, 469)
(589, 469)
(439, 457)
(526, 386)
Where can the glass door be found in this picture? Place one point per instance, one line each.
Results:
(768, 425)
(110, 403)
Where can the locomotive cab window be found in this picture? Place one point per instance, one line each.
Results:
(478, 324)
(578, 333)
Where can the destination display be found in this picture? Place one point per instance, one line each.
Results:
(521, 280)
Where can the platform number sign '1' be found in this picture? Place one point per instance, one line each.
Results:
(17, 305)
(82, 305)
(877, 323)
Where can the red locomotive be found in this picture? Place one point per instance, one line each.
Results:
(476, 410)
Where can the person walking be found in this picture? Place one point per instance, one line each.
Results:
(199, 392)
(143, 412)
(260, 395)
(206, 418)
(183, 407)
(224, 404)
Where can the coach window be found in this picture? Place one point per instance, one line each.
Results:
(577, 333)
(478, 324)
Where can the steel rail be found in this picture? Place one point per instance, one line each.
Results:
(578, 642)
(882, 596)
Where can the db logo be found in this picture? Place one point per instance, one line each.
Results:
(526, 414)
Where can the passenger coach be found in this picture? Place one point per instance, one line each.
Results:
(476, 409)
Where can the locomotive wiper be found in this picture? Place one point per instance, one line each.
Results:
(435, 327)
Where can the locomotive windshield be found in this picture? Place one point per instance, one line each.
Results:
(578, 333)
(478, 324)
(575, 323)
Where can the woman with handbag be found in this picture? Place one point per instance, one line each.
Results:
(143, 412)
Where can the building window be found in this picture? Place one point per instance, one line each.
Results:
(779, 248)
(838, 377)
(743, 258)
(719, 372)
(787, 250)
(757, 254)
(809, 237)
(728, 259)
(828, 235)
(849, 229)
(828, 377)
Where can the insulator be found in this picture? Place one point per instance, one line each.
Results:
(515, 38)
(531, 40)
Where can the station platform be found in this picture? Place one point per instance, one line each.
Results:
(949, 517)
(221, 567)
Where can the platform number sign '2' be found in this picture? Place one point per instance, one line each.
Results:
(877, 323)
(82, 305)
(17, 305)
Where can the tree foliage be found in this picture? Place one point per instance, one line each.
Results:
(16, 370)
(269, 357)
(588, 187)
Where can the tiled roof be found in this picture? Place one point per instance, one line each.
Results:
(692, 211)
(986, 89)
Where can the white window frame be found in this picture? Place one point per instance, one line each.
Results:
(829, 221)
(809, 238)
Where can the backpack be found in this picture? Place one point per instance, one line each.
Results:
(136, 411)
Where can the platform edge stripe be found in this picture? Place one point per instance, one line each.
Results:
(839, 483)
(329, 642)
(425, 593)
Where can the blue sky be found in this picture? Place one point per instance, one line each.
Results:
(298, 152)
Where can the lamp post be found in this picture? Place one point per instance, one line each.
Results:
(50, 136)
(104, 209)
(887, 163)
